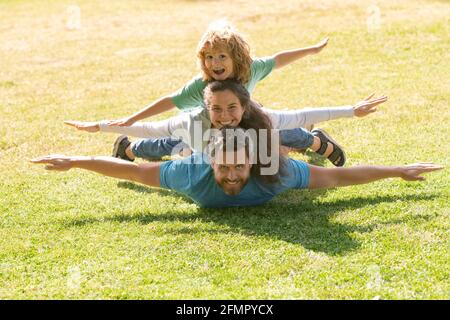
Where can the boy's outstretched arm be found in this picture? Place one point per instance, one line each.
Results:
(146, 173)
(340, 177)
(284, 58)
(157, 107)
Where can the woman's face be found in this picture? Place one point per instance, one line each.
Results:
(225, 109)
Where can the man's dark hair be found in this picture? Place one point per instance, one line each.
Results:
(235, 139)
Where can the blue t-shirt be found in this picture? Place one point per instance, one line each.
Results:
(194, 177)
(191, 95)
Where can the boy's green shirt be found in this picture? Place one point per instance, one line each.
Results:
(191, 95)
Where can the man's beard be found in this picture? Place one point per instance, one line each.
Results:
(232, 190)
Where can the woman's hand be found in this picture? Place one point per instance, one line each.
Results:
(125, 122)
(368, 105)
(84, 126)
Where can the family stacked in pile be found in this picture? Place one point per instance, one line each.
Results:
(235, 149)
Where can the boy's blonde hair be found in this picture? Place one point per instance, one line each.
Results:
(221, 35)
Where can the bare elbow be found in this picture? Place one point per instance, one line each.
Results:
(148, 174)
(322, 178)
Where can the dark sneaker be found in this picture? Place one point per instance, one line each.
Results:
(120, 146)
(337, 156)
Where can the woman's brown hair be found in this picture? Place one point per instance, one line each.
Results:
(253, 118)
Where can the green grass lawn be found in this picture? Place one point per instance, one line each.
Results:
(80, 235)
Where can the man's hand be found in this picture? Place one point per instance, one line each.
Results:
(340, 177)
(146, 173)
(412, 172)
(55, 162)
(322, 44)
(84, 126)
(125, 122)
(368, 105)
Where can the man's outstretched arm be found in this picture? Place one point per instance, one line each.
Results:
(341, 177)
(146, 173)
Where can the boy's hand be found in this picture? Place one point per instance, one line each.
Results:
(84, 126)
(125, 122)
(368, 105)
(55, 162)
(322, 44)
(412, 172)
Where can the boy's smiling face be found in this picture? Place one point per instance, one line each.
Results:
(218, 63)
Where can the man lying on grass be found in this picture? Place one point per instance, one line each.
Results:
(228, 176)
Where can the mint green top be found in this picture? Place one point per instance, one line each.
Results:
(191, 95)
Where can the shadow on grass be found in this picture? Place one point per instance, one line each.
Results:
(309, 157)
(143, 189)
(293, 217)
(315, 159)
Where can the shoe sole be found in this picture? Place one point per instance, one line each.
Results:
(334, 142)
(117, 144)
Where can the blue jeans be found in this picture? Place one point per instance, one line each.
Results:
(297, 138)
(157, 148)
